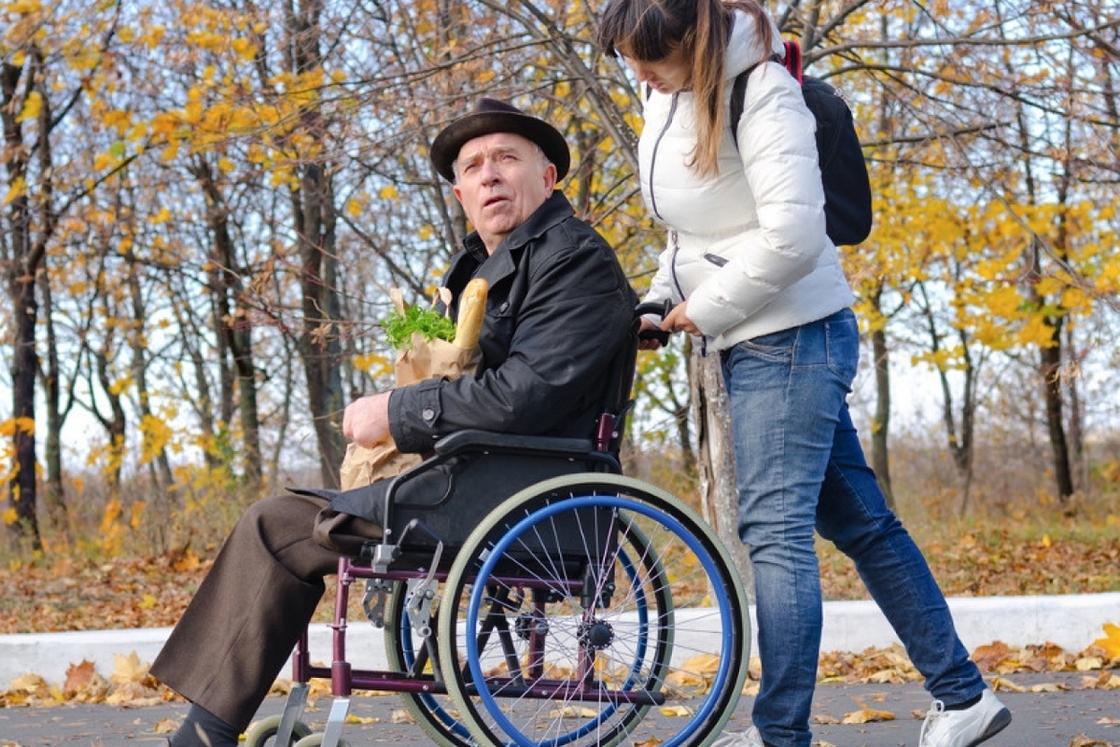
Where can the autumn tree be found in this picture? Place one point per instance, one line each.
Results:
(54, 57)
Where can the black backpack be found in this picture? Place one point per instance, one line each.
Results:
(847, 189)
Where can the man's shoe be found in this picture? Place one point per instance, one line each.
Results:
(748, 738)
(967, 727)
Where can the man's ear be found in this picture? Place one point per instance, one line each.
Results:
(550, 175)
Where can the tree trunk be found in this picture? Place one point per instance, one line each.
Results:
(881, 425)
(232, 322)
(313, 212)
(22, 266)
(1050, 373)
(54, 494)
(719, 497)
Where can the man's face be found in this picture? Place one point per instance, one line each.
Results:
(502, 179)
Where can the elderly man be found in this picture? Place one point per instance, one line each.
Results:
(559, 309)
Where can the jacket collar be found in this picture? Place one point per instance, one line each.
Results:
(496, 266)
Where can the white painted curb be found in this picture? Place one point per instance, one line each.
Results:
(1072, 622)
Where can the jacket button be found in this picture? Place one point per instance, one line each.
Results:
(428, 414)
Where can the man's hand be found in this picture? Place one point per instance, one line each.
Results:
(647, 343)
(366, 420)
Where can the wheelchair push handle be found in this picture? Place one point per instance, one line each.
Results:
(660, 309)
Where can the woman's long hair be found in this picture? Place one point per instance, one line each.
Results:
(651, 30)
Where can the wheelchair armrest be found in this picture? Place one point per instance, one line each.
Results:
(474, 440)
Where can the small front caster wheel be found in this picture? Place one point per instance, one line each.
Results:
(263, 733)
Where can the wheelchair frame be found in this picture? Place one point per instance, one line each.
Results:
(530, 610)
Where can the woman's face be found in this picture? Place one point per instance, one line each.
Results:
(667, 75)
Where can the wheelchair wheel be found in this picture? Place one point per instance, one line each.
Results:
(316, 740)
(406, 651)
(594, 610)
(263, 733)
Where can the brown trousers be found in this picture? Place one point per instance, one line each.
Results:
(256, 601)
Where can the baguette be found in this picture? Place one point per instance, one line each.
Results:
(472, 309)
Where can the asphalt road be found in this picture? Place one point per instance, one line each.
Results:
(1066, 718)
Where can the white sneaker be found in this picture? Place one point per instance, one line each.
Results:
(748, 738)
(965, 728)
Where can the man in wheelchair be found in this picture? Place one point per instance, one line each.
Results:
(559, 312)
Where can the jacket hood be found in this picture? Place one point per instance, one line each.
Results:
(745, 47)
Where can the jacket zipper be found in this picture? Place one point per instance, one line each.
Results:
(653, 204)
(677, 284)
(656, 148)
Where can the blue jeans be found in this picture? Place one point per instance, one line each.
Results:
(801, 466)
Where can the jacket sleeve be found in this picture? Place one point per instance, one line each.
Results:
(575, 313)
(778, 150)
(662, 288)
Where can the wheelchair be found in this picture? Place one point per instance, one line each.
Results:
(544, 600)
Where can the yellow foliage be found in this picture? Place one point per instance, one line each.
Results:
(16, 190)
(136, 513)
(1111, 642)
(31, 107)
(11, 426)
(24, 7)
(156, 435)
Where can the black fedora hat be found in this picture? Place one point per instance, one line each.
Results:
(489, 116)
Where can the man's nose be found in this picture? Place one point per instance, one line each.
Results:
(490, 173)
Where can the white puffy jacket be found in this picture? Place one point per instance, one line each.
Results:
(748, 247)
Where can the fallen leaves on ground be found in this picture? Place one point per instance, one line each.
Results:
(87, 594)
(892, 666)
(130, 684)
(995, 562)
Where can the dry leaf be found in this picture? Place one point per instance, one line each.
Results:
(1083, 741)
(999, 684)
(866, 715)
(128, 669)
(165, 726)
(679, 710)
(1088, 664)
(703, 664)
(78, 676)
(1111, 642)
(401, 716)
(989, 657)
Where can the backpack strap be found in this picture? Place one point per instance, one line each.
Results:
(793, 60)
(739, 87)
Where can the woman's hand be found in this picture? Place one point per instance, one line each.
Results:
(677, 321)
(366, 420)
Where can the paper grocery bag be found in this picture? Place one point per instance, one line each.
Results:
(421, 359)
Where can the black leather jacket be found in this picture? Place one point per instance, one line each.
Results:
(558, 310)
